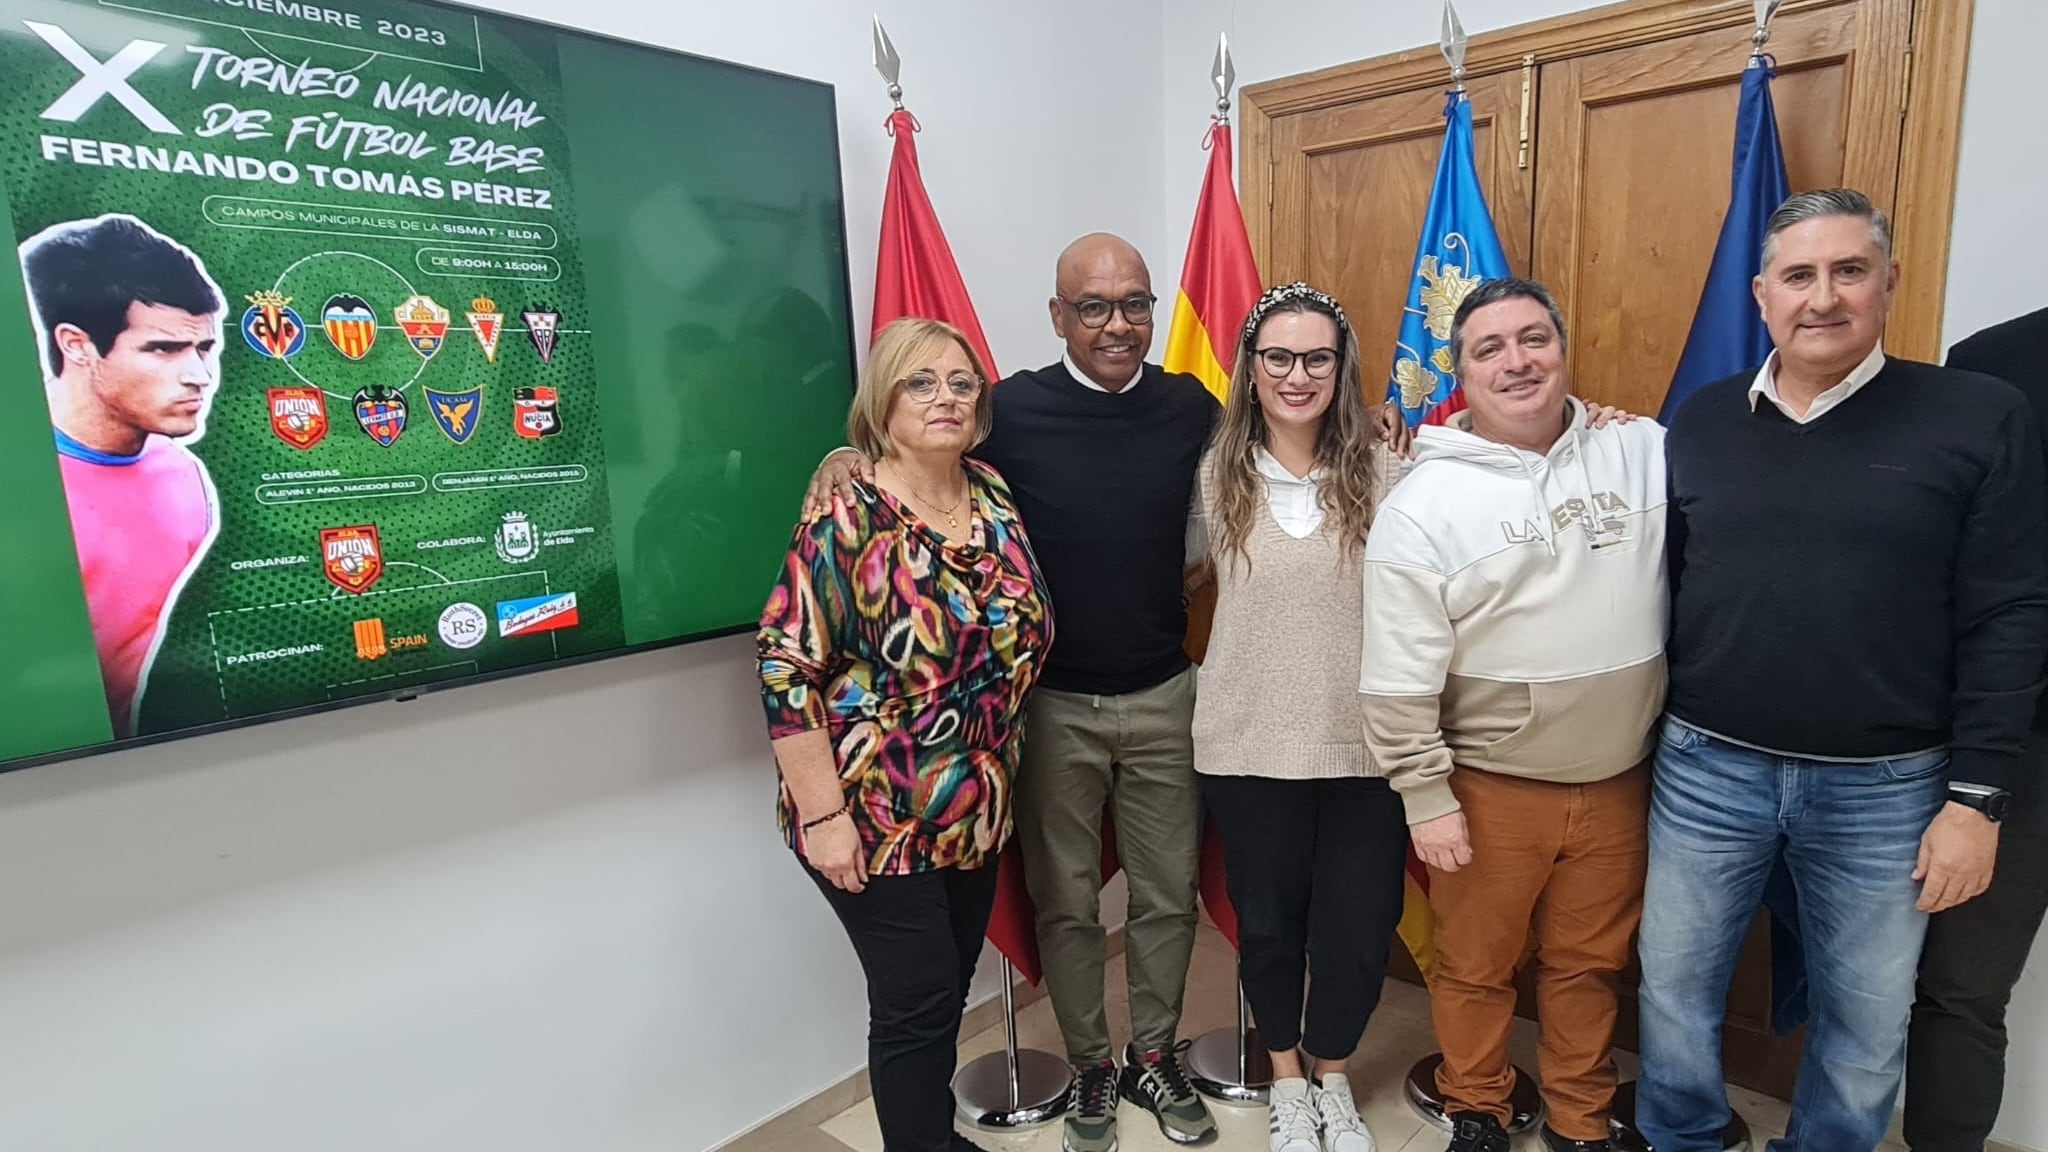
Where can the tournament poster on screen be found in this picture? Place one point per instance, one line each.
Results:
(307, 298)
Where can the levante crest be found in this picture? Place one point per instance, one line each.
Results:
(381, 413)
(271, 327)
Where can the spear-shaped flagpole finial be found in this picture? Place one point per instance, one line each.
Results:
(1224, 75)
(887, 62)
(1765, 9)
(1454, 45)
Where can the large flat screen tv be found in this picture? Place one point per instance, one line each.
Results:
(386, 346)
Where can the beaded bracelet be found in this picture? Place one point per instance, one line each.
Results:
(842, 810)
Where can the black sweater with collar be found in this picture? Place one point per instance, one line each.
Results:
(1867, 585)
(1103, 482)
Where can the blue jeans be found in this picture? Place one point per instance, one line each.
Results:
(1719, 815)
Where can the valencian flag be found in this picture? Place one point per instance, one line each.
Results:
(1459, 248)
(1728, 336)
(914, 270)
(1219, 283)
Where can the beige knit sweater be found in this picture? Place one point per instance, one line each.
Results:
(1277, 694)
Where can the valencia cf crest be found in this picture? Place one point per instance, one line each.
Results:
(351, 558)
(424, 323)
(381, 412)
(456, 412)
(540, 328)
(351, 325)
(271, 327)
(298, 416)
(487, 323)
(536, 412)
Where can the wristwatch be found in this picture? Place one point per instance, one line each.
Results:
(1992, 802)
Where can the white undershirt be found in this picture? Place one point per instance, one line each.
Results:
(1088, 381)
(1766, 386)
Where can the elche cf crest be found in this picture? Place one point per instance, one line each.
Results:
(540, 328)
(536, 412)
(351, 558)
(381, 413)
(424, 323)
(351, 325)
(271, 327)
(487, 323)
(456, 413)
(298, 416)
(515, 540)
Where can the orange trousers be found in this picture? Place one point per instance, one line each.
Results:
(1566, 862)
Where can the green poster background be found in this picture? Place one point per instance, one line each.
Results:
(700, 358)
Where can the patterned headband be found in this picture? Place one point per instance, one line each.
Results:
(1292, 293)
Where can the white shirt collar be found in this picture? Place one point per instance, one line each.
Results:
(1269, 466)
(1088, 381)
(1766, 386)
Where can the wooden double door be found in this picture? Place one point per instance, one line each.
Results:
(1604, 143)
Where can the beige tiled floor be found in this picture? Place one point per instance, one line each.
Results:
(1399, 1035)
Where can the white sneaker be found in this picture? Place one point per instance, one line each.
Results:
(1343, 1129)
(1293, 1116)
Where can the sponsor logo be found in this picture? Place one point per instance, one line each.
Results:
(351, 325)
(271, 327)
(424, 323)
(370, 640)
(515, 540)
(487, 322)
(463, 626)
(298, 416)
(351, 557)
(540, 328)
(537, 614)
(269, 562)
(456, 412)
(536, 412)
(381, 413)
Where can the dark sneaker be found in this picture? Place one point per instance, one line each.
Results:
(1156, 1082)
(1556, 1143)
(1476, 1132)
(1091, 1119)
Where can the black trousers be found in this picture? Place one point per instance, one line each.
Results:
(1314, 871)
(917, 937)
(1975, 953)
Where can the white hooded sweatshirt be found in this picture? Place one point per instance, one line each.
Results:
(1515, 610)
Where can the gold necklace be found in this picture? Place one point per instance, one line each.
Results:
(951, 521)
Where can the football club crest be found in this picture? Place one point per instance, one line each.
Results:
(351, 557)
(487, 323)
(424, 323)
(515, 539)
(456, 412)
(381, 412)
(536, 412)
(351, 325)
(271, 326)
(540, 328)
(298, 416)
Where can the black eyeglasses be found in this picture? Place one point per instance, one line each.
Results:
(923, 387)
(1094, 311)
(1319, 362)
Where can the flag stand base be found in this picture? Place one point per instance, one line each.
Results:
(1229, 1065)
(1428, 1103)
(1012, 1090)
(1734, 1138)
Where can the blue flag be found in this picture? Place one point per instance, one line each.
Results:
(1459, 248)
(1728, 335)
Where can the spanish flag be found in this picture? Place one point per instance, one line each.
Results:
(1219, 283)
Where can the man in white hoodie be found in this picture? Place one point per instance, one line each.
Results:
(1512, 674)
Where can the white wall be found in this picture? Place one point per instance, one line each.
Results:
(551, 913)
(1993, 272)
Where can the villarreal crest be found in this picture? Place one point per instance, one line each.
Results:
(271, 327)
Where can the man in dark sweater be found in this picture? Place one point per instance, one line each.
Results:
(1100, 451)
(1859, 627)
(1955, 1050)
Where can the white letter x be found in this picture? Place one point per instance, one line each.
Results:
(96, 79)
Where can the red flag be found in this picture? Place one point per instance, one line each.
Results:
(914, 270)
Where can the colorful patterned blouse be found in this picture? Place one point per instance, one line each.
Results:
(916, 655)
